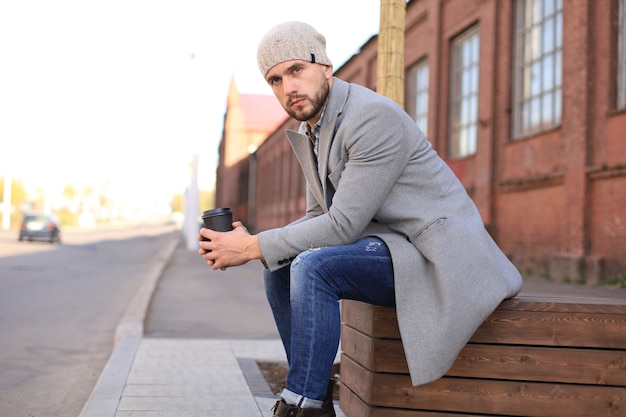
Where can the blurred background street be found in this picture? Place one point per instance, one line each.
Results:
(59, 308)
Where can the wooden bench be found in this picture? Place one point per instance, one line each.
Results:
(536, 355)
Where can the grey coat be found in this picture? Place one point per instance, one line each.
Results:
(382, 178)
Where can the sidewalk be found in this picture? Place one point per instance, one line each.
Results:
(185, 378)
(206, 377)
(162, 376)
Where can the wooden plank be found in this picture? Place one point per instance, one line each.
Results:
(523, 363)
(553, 329)
(464, 395)
(380, 355)
(501, 397)
(373, 320)
(357, 378)
(360, 347)
(529, 363)
(509, 324)
(523, 302)
(352, 406)
(564, 304)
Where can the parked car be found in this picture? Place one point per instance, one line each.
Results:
(40, 226)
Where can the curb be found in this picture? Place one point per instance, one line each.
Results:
(105, 396)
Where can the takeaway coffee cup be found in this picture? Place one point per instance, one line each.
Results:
(219, 219)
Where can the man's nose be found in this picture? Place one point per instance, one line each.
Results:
(289, 87)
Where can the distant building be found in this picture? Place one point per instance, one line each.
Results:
(249, 119)
(525, 100)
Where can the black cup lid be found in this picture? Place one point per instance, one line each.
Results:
(217, 211)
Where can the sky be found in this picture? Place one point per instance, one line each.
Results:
(119, 95)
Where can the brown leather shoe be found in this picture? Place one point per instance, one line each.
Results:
(328, 408)
(282, 409)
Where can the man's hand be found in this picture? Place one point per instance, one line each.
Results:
(226, 249)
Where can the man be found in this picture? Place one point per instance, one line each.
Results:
(387, 222)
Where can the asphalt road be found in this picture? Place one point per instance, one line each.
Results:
(59, 308)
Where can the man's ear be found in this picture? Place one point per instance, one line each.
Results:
(328, 71)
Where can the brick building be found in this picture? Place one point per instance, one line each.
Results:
(249, 119)
(526, 101)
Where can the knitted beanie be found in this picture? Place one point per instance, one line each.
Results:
(290, 41)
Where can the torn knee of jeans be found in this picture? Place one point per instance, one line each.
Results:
(372, 246)
(303, 255)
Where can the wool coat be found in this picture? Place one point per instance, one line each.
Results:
(381, 177)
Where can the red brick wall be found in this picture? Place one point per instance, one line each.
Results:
(615, 139)
(608, 223)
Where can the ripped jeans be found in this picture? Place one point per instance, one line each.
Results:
(304, 298)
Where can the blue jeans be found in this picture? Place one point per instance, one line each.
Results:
(304, 298)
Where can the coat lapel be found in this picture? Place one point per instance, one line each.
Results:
(330, 123)
(303, 151)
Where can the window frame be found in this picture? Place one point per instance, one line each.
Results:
(621, 56)
(463, 105)
(537, 101)
(418, 79)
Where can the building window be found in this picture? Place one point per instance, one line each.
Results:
(621, 57)
(417, 94)
(537, 98)
(464, 94)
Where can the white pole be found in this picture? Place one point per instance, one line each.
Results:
(191, 225)
(6, 205)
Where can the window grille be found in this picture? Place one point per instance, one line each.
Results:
(417, 93)
(538, 78)
(464, 94)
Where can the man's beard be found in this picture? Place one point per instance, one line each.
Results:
(318, 101)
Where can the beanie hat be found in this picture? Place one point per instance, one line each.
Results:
(290, 41)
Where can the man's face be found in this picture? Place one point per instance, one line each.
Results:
(301, 88)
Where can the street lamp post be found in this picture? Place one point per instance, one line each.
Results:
(191, 225)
